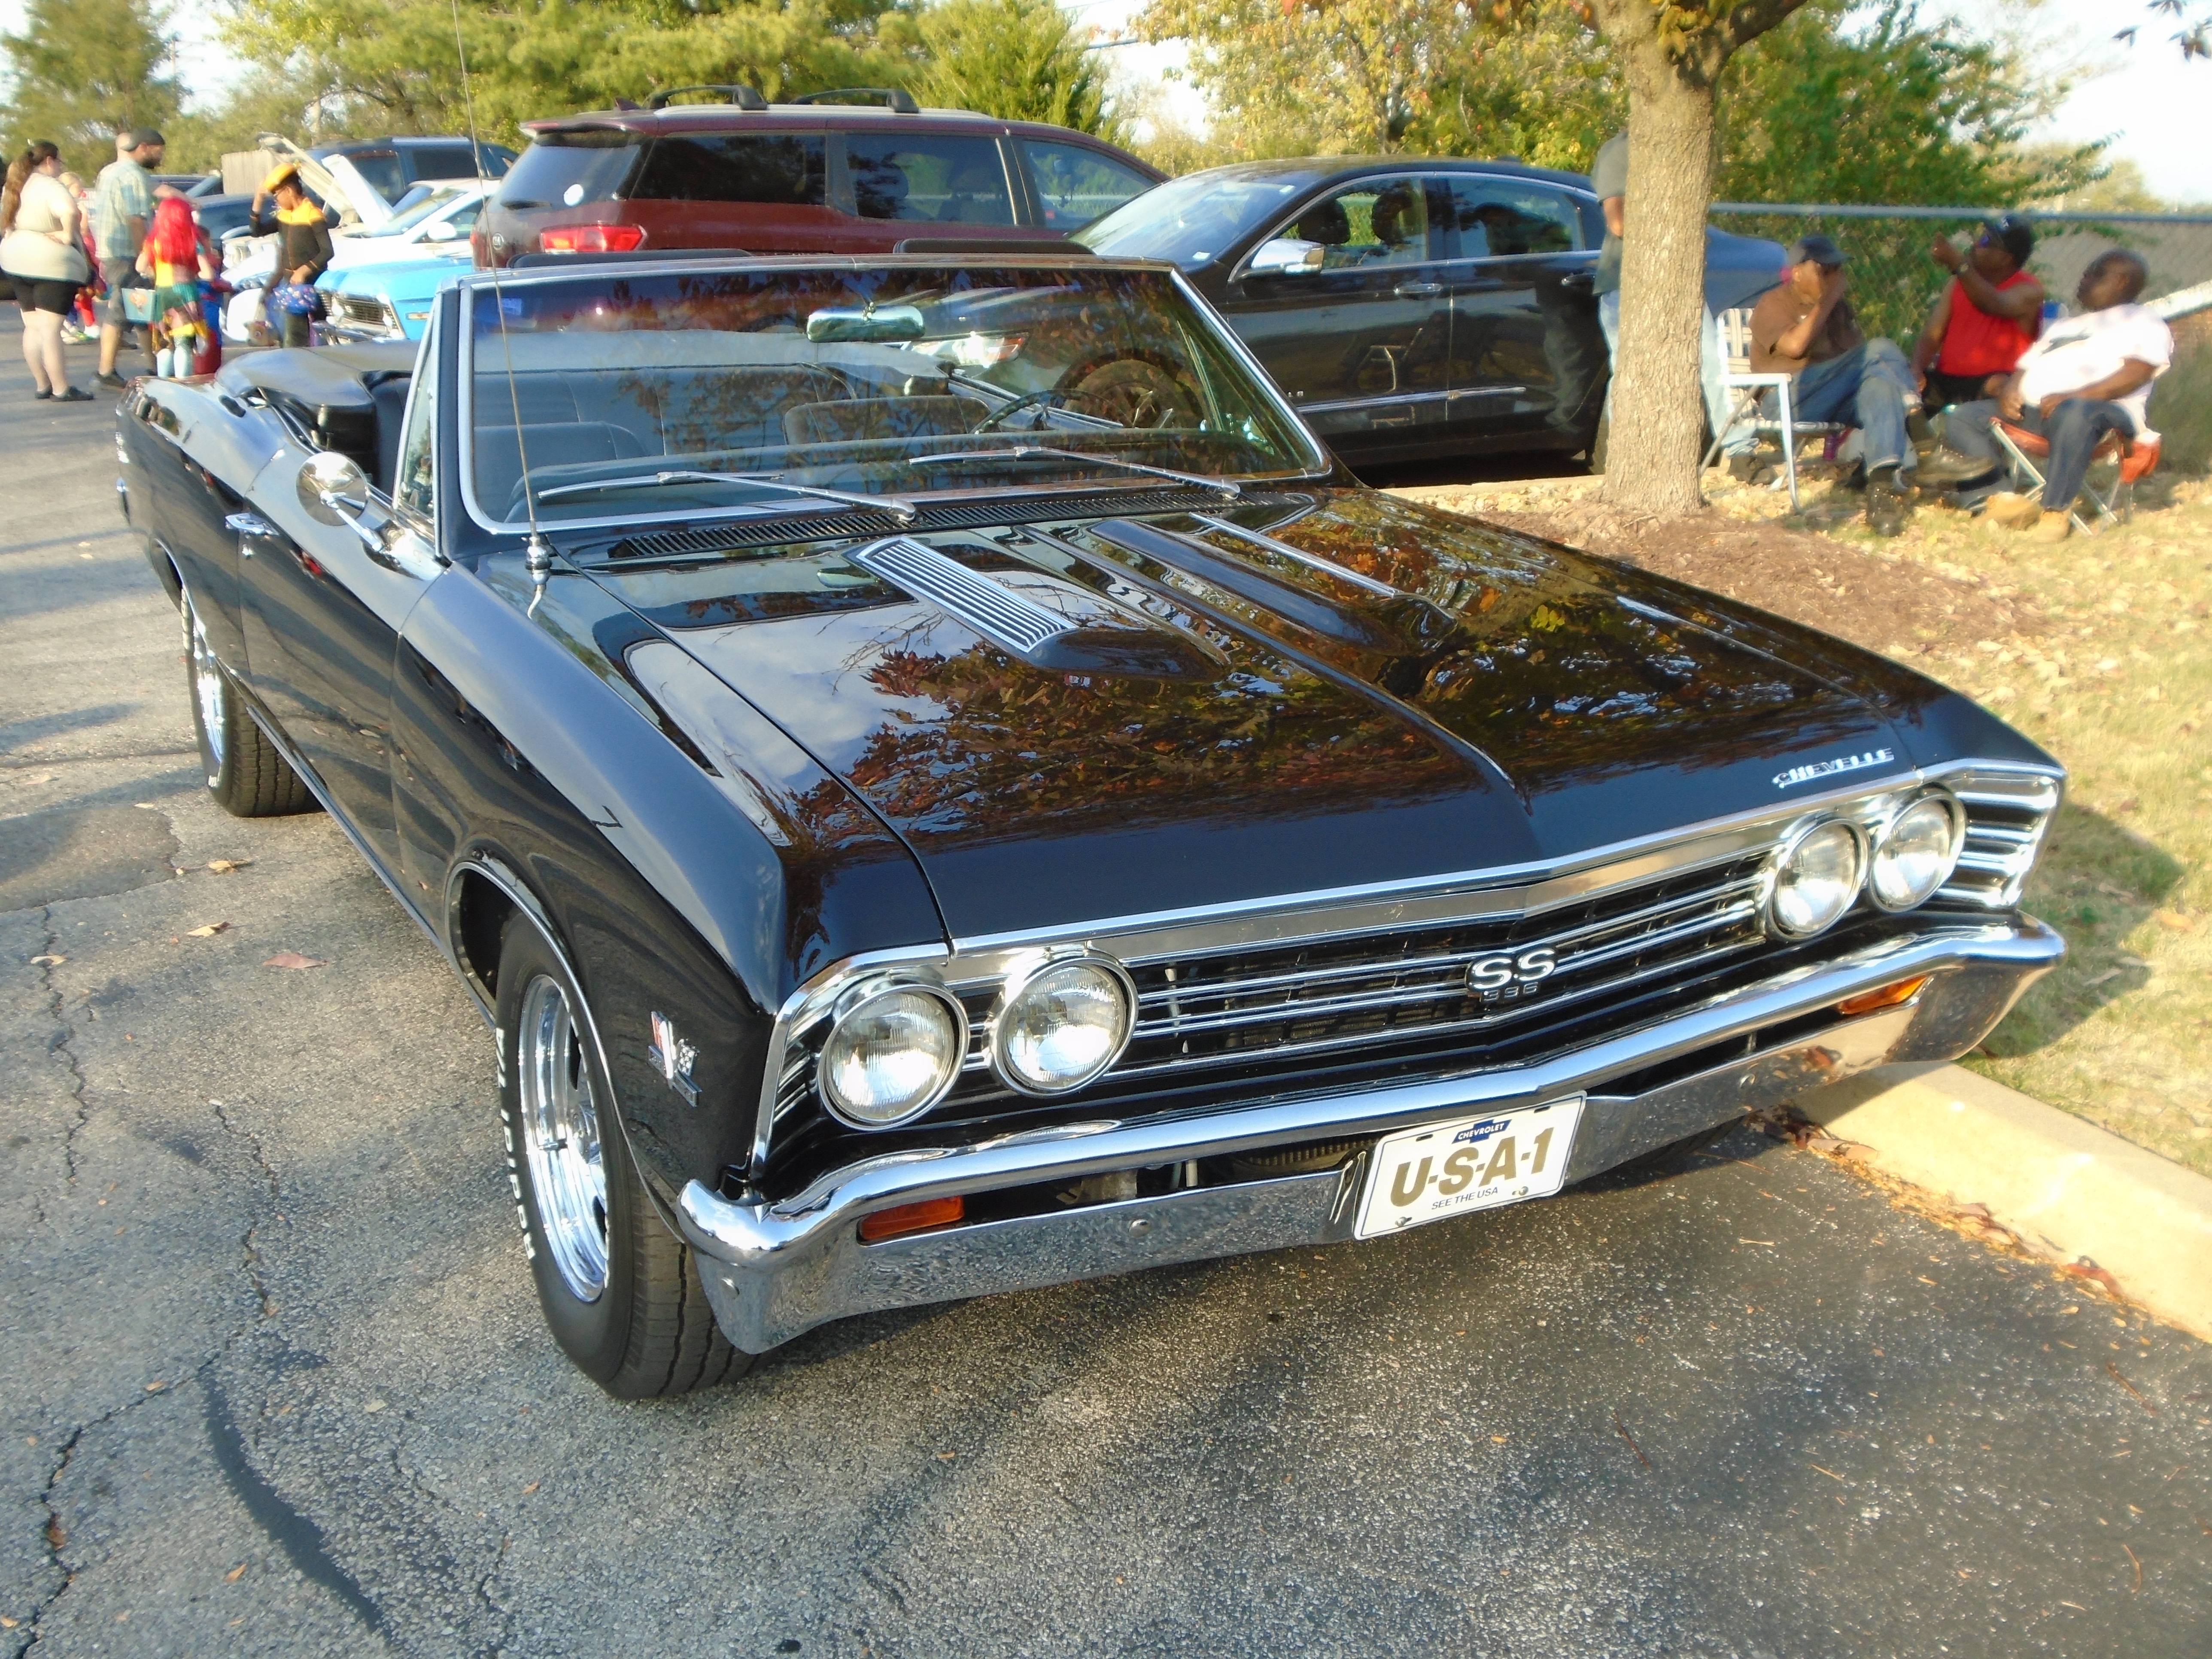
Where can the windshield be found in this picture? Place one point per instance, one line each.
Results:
(1188, 220)
(436, 202)
(690, 392)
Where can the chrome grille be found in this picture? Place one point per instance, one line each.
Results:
(361, 311)
(2007, 815)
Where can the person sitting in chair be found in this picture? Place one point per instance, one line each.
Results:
(1990, 315)
(2087, 378)
(1805, 329)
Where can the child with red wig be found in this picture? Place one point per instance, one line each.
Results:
(177, 257)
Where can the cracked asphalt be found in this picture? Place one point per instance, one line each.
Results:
(274, 1381)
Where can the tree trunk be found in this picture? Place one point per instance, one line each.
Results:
(1658, 409)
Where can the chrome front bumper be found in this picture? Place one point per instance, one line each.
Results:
(772, 1271)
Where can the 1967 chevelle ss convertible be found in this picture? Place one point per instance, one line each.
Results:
(940, 786)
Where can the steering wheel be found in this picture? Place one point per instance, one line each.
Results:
(1044, 398)
(1136, 391)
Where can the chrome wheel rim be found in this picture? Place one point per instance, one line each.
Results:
(208, 687)
(560, 1138)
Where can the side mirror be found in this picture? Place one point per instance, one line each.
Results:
(332, 488)
(441, 232)
(1288, 254)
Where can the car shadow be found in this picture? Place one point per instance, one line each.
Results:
(2098, 881)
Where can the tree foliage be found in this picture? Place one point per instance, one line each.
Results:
(79, 69)
(1020, 60)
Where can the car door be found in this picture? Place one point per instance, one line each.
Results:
(326, 586)
(1527, 357)
(1359, 339)
(765, 192)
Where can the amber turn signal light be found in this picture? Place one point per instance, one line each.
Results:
(1866, 1001)
(911, 1219)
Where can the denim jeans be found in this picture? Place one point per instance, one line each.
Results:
(1866, 387)
(2075, 429)
(1710, 365)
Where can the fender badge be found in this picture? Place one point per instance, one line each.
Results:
(1828, 769)
(671, 1056)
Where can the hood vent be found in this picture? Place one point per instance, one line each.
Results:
(998, 614)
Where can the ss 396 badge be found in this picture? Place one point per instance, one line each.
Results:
(1507, 976)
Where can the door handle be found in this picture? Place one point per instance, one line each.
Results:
(248, 526)
(1418, 290)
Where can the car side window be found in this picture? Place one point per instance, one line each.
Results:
(1074, 184)
(444, 161)
(946, 181)
(412, 483)
(1378, 222)
(382, 169)
(1502, 218)
(781, 169)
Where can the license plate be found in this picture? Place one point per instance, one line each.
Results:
(1444, 1170)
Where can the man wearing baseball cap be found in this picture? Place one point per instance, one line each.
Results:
(1990, 315)
(122, 206)
(1805, 329)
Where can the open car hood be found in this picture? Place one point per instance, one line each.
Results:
(336, 181)
(1129, 716)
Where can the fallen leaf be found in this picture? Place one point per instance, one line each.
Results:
(207, 932)
(946, 1458)
(2099, 979)
(293, 959)
(1924, 1278)
(48, 960)
(2137, 1561)
(156, 1386)
(145, 806)
(1831, 1474)
(2173, 921)
(2131, 1388)
(2085, 1269)
(234, 1574)
(224, 867)
(1499, 1439)
(1767, 1242)
(373, 1406)
(532, 1487)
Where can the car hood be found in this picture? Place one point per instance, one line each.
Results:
(1341, 691)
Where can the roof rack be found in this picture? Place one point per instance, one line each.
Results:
(744, 97)
(897, 100)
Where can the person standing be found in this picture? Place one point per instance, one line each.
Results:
(177, 260)
(1989, 316)
(122, 206)
(1609, 182)
(40, 255)
(303, 247)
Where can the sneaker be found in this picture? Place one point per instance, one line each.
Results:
(1744, 467)
(2052, 527)
(1887, 511)
(42, 392)
(1946, 465)
(2012, 510)
(76, 394)
(111, 381)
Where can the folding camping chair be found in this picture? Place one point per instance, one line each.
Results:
(2131, 458)
(1738, 379)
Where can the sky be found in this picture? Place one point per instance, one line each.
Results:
(2145, 98)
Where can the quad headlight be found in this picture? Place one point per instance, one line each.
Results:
(891, 1053)
(1915, 853)
(1063, 1024)
(1816, 878)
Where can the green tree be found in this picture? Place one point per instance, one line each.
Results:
(1020, 60)
(81, 68)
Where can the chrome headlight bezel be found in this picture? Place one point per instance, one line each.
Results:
(1018, 984)
(1954, 810)
(854, 1001)
(1791, 846)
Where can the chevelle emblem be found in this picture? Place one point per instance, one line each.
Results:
(672, 1056)
(1506, 977)
(1828, 769)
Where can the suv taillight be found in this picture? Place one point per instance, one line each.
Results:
(591, 239)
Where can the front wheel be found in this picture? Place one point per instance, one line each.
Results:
(621, 1292)
(245, 773)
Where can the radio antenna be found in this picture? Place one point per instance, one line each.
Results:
(537, 555)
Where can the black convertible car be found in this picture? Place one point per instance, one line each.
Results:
(940, 786)
(1410, 305)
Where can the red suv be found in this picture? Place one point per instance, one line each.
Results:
(816, 175)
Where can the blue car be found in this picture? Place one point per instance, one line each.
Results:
(387, 301)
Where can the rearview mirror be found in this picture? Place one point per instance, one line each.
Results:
(1287, 254)
(332, 488)
(891, 323)
(441, 232)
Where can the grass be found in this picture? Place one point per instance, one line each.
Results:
(2118, 686)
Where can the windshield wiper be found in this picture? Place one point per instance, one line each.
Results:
(1227, 487)
(903, 509)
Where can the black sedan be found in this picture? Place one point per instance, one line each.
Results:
(939, 785)
(1410, 306)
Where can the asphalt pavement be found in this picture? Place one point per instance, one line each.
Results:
(274, 1381)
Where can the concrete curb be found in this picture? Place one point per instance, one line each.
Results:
(2051, 1179)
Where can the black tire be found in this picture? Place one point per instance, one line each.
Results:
(244, 771)
(647, 1332)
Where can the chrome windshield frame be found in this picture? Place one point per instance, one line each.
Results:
(1318, 465)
